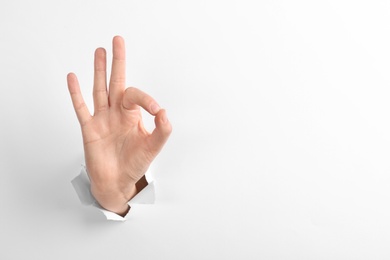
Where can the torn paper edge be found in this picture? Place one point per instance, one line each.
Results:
(82, 186)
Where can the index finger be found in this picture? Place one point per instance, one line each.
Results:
(134, 97)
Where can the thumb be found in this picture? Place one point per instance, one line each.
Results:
(161, 133)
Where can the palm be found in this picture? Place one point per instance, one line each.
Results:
(117, 140)
(118, 149)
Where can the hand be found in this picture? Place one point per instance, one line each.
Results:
(118, 150)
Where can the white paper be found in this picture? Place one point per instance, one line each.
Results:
(82, 186)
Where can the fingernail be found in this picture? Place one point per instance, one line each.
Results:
(155, 108)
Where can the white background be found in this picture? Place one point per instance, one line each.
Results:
(281, 119)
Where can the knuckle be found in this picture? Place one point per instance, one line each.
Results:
(80, 106)
(100, 91)
(102, 108)
(131, 90)
(118, 80)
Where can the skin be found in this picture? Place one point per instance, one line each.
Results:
(118, 150)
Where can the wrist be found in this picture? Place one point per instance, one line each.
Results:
(114, 201)
(122, 212)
